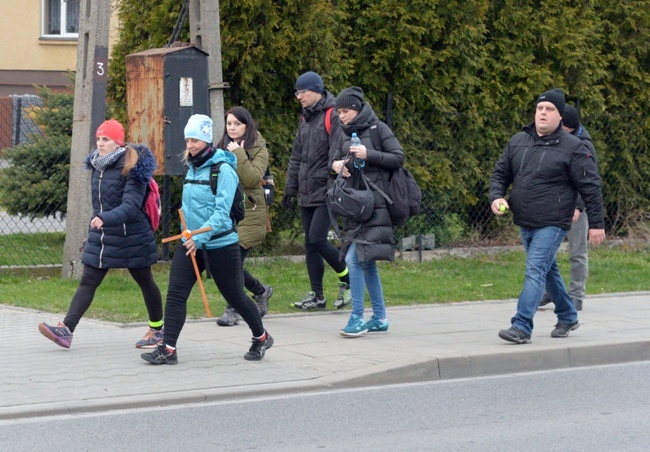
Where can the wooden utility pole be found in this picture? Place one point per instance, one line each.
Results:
(89, 113)
(205, 33)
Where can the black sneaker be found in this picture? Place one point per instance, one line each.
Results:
(545, 300)
(160, 355)
(262, 300)
(259, 347)
(310, 302)
(229, 317)
(514, 334)
(563, 329)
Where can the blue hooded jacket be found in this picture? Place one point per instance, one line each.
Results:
(201, 208)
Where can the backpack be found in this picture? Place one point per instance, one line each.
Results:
(151, 203)
(404, 195)
(238, 207)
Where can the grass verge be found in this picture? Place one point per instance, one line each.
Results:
(616, 269)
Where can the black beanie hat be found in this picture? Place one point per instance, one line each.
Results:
(310, 81)
(571, 117)
(350, 98)
(554, 96)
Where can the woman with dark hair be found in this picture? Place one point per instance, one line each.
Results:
(119, 235)
(242, 138)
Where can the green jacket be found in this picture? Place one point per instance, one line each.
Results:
(251, 166)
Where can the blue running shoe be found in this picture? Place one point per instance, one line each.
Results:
(356, 327)
(377, 325)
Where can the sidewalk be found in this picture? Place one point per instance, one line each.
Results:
(103, 369)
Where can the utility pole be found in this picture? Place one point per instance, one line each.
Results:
(205, 33)
(89, 113)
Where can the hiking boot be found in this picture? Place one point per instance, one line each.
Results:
(262, 300)
(356, 327)
(344, 298)
(259, 347)
(59, 334)
(563, 329)
(161, 355)
(377, 325)
(514, 334)
(310, 302)
(152, 339)
(578, 305)
(230, 317)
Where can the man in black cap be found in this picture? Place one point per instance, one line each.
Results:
(307, 178)
(577, 235)
(547, 168)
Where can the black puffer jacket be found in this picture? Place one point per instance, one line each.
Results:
(307, 175)
(547, 173)
(374, 238)
(126, 239)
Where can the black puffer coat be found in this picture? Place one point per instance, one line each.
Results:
(547, 173)
(126, 239)
(374, 238)
(307, 175)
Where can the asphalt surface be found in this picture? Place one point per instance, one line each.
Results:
(103, 369)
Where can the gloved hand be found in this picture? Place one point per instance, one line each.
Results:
(287, 200)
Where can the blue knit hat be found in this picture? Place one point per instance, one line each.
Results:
(310, 81)
(199, 127)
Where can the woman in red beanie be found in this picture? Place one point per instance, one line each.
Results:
(119, 236)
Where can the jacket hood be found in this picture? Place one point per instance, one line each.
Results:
(222, 156)
(362, 121)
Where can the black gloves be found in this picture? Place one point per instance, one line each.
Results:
(287, 200)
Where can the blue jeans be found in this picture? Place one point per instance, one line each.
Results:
(542, 272)
(362, 275)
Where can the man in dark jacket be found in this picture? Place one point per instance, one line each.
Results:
(577, 235)
(547, 168)
(307, 178)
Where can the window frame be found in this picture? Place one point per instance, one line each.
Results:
(45, 18)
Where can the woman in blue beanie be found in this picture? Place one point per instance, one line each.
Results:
(219, 247)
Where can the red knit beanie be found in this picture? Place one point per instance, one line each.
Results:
(113, 130)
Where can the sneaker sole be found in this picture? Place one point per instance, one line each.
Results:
(45, 331)
(378, 331)
(506, 337)
(359, 334)
(573, 328)
(223, 323)
(148, 346)
(342, 305)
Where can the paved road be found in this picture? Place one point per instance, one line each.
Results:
(103, 369)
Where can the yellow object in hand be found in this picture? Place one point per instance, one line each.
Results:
(502, 208)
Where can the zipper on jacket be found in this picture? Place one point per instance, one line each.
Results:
(101, 209)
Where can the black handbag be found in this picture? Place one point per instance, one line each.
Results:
(349, 203)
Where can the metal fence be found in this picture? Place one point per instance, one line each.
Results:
(449, 217)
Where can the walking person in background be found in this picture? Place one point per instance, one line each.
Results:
(372, 240)
(242, 138)
(307, 178)
(547, 167)
(218, 248)
(119, 235)
(577, 235)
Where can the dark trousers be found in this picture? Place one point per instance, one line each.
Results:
(92, 277)
(316, 224)
(251, 283)
(225, 268)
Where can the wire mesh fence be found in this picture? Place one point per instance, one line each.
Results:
(452, 158)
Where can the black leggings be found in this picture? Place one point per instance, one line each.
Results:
(316, 224)
(91, 279)
(251, 283)
(225, 267)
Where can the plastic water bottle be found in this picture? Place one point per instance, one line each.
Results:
(355, 141)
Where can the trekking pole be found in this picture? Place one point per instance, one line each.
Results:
(187, 234)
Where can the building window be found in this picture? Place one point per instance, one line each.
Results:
(61, 18)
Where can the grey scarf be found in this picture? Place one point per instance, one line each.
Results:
(101, 162)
